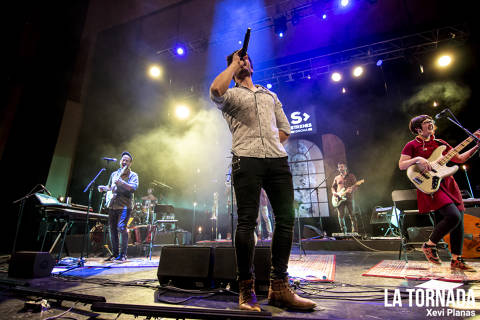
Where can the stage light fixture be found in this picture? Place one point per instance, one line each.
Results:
(344, 90)
(180, 50)
(280, 26)
(239, 41)
(155, 72)
(344, 3)
(357, 71)
(182, 112)
(379, 62)
(324, 16)
(444, 61)
(336, 76)
(435, 104)
(269, 86)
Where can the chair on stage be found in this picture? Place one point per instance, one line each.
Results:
(405, 207)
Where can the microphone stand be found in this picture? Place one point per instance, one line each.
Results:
(86, 235)
(457, 123)
(20, 213)
(87, 230)
(318, 206)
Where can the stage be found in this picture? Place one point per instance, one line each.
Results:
(347, 293)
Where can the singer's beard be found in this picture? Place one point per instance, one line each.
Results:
(243, 73)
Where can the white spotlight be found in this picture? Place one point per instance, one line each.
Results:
(357, 71)
(444, 61)
(155, 72)
(182, 112)
(336, 76)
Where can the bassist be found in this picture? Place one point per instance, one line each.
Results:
(345, 181)
(447, 201)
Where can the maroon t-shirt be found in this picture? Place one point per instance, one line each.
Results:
(448, 192)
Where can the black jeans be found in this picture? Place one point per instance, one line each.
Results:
(452, 222)
(117, 221)
(346, 209)
(273, 175)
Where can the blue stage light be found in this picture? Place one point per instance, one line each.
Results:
(269, 86)
(344, 3)
(379, 62)
(180, 50)
(324, 16)
(280, 26)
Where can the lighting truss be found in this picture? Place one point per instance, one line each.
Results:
(415, 45)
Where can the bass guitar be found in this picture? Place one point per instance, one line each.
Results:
(429, 181)
(342, 194)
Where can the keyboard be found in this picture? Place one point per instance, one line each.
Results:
(72, 214)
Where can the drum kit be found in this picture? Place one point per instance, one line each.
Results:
(144, 222)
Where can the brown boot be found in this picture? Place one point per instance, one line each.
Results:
(247, 299)
(281, 295)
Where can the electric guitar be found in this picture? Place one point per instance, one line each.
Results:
(429, 181)
(109, 194)
(342, 194)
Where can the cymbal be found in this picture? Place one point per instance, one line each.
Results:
(161, 184)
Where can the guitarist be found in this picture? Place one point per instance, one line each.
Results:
(447, 201)
(121, 186)
(345, 180)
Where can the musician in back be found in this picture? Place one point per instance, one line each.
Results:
(447, 201)
(342, 190)
(119, 201)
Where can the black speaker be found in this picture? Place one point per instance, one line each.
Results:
(30, 264)
(224, 269)
(186, 267)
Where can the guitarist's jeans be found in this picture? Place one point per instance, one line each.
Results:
(452, 222)
(346, 208)
(117, 221)
(249, 176)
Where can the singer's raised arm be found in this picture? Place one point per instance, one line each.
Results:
(221, 83)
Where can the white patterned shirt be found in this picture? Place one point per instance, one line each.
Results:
(254, 119)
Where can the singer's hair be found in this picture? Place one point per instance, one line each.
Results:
(230, 59)
(416, 123)
(128, 154)
(342, 162)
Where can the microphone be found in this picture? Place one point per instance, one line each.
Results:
(441, 114)
(246, 40)
(45, 189)
(109, 159)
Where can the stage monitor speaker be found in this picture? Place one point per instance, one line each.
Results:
(30, 264)
(224, 269)
(186, 267)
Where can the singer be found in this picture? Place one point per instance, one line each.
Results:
(259, 127)
(447, 201)
(119, 201)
